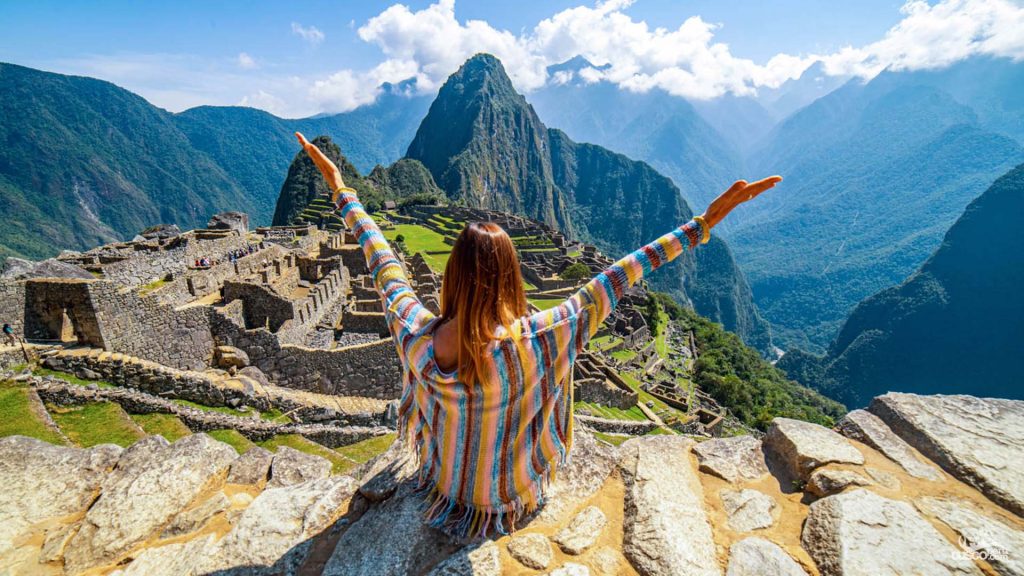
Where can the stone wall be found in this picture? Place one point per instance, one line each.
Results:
(195, 283)
(12, 305)
(63, 309)
(372, 370)
(600, 391)
(146, 265)
(366, 322)
(261, 306)
(628, 427)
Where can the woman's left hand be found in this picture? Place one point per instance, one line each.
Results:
(327, 168)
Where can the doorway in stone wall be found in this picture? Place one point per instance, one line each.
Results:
(69, 332)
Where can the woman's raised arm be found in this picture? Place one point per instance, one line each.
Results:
(404, 311)
(584, 311)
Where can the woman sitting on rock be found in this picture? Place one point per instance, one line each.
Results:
(485, 402)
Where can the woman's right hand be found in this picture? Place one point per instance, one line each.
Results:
(738, 193)
(327, 168)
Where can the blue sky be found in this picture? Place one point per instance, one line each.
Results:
(300, 58)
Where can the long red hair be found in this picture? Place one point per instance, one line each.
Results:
(482, 289)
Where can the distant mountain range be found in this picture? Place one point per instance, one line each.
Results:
(954, 326)
(83, 162)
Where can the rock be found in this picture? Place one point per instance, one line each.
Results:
(748, 509)
(571, 569)
(275, 531)
(826, 481)
(755, 556)
(255, 374)
(883, 478)
(981, 536)
(581, 533)
(477, 560)
(732, 459)
(390, 539)
(86, 374)
(230, 221)
(230, 357)
(859, 532)
(251, 467)
(589, 465)
(869, 429)
(531, 550)
(666, 530)
(291, 466)
(977, 440)
(194, 518)
(607, 561)
(171, 560)
(143, 496)
(42, 481)
(55, 542)
(382, 475)
(18, 269)
(161, 231)
(800, 447)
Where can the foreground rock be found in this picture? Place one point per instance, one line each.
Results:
(144, 495)
(758, 557)
(274, 532)
(589, 465)
(982, 536)
(251, 467)
(732, 459)
(476, 560)
(800, 447)
(826, 481)
(749, 509)
(581, 533)
(859, 532)
(390, 539)
(666, 530)
(291, 466)
(869, 429)
(978, 440)
(41, 481)
(531, 550)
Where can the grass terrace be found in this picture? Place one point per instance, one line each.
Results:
(96, 423)
(166, 425)
(601, 411)
(18, 417)
(423, 240)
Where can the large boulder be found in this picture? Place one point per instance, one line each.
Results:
(230, 357)
(480, 559)
(978, 440)
(42, 481)
(590, 463)
(531, 550)
(756, 556)
(390, 539)
(583, 530)
(859, 532)
(829, 481)
(799, 447)
(273, 535)
(251, 467)
(143, 496)
(732, 459)
(869, 429)
(229, 221)
(980, 535)
(749, 509)
(666, 530)
(161, 231)
(290, 466)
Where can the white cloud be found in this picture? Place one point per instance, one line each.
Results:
(246, 62)
(310, 34)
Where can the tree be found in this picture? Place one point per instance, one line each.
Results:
(575, 271)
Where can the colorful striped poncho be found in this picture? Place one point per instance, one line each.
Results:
(487, 451)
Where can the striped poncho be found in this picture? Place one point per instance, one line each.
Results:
(487, 452)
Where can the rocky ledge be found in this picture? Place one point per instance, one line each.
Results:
(914, 485)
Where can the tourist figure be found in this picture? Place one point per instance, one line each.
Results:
(486, 400)
(9, 334)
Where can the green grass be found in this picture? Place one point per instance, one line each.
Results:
(166, 425)
(660, 343)
(613, 439)
(273, 415)
(240, 443)
(644, 396)
(633, 413)
(96, 423)
(154, 285)
(623, 355)
(422, 239)
(339, 463)
(605, 342)
(17, 417)
(362, 451)
(71, 378)
(545, 303)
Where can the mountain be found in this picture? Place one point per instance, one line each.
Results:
(797, 93)
(953, 327)
(84, 162)
(486, 147)
(663, 130)
(875, 174)
(304, 184)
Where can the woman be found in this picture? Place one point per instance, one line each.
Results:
(484, 398)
